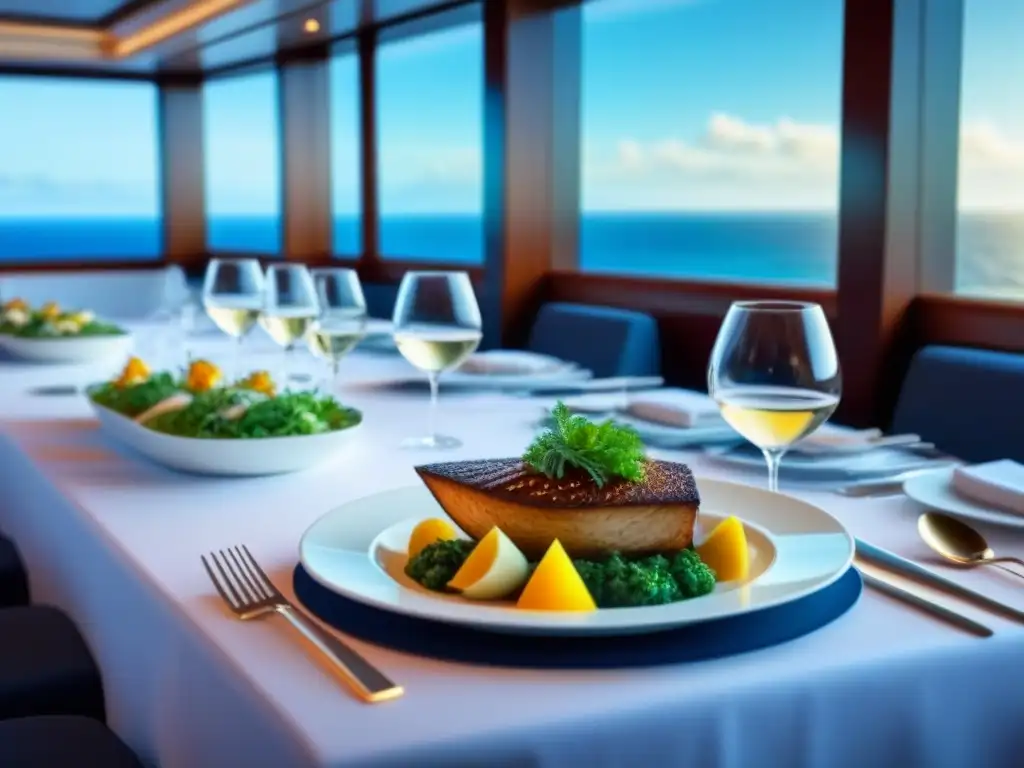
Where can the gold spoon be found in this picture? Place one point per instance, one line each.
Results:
(960, 543)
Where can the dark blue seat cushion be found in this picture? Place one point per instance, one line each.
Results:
(13, 580)
(45, 666)
(608, 341)
(380, 299)
(969, 402)
(62, 742)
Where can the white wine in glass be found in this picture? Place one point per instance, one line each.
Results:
(233, 298)
(290, 307)
(775, 374)
(342, 322)
(437, 325)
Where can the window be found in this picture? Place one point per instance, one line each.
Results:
(243, 168)
(346, 155)
(710, 139)
(430, 124)
(79, 176)
(990, 225)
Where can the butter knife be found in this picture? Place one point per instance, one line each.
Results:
(890, 486)
(887, 587)
(911, 569)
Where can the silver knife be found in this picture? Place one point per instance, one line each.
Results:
(890, 486)
(924, 604)
(909, 568)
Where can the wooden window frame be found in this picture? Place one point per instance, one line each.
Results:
(900, 135)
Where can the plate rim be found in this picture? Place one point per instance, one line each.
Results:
(560, 623)
(975, 511)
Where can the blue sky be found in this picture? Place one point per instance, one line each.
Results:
(687, 104)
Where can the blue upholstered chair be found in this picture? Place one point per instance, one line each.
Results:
(13, 579)
(380, 299)
(56, 741)
(969, 402)
(608, 341)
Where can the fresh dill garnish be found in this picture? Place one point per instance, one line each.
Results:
(605, 451)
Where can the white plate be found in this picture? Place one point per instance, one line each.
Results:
(881, 462)
(379, 335)
(239, 458)
(513, 362)
(352, 550)
(514, 380)
(935, 490)
(68, 349)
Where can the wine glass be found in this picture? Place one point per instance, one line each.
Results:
(342, 321)
(290, 307)
(437, 326)
(233, 298)
(775, 374)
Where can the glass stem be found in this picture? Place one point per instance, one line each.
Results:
(335, 368)
(236, 363)
(432, 377)
(286, 364)
(773, 457)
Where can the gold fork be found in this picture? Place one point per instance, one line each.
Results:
(250, 594)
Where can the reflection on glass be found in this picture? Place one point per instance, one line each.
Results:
(342, 321)
(289, 309)
(233, 298)
(437, 326)
(775, 374)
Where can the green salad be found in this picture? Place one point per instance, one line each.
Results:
(245, 409)
(50, 322)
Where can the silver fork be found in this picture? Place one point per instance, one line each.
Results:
(250, 594)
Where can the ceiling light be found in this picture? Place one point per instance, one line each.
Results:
(312, 26)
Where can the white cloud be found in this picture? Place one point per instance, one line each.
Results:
(991, 168)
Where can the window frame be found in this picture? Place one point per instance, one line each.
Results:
(900, 136)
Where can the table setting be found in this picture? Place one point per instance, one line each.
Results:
(534, 559)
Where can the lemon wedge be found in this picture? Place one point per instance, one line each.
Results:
(494, 569)
(725, 551)
(427, 532)
(556, 585)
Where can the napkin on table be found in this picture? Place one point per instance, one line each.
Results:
(995, 483)
(513, 361)
(675, 407)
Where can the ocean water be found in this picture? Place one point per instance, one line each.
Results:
(755, 247)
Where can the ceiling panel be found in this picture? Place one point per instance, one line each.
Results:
(257, 30)
(73, 11)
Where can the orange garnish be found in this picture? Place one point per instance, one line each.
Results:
(135, 372)
(202, 376)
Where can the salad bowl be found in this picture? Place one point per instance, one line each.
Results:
(225, 456)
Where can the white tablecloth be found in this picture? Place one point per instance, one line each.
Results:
(115, 541)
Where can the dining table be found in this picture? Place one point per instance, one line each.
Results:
(115, 541)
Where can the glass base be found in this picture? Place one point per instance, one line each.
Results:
(436, 442)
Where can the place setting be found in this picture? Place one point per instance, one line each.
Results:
(604, 556)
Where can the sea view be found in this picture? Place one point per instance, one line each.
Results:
(757, 247)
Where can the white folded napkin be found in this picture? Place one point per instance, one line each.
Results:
(499, 362)
(995, 483)
(675, 407)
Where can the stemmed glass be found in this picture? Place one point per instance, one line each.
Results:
(437, 326)
(342, 321)
(233, 298)
(775, 374)
(290, 307)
